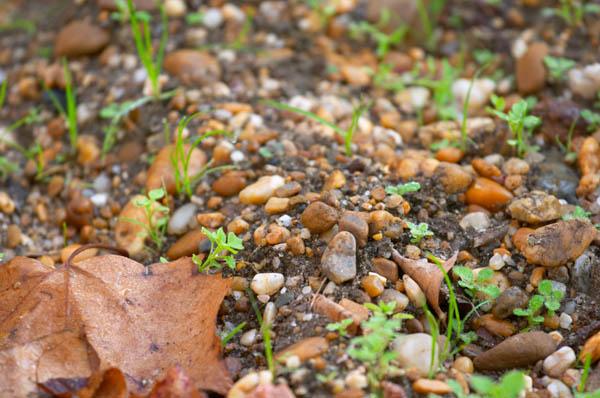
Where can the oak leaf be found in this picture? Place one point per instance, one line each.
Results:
(108, 311)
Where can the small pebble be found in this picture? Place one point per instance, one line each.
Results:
(267, 283)
(558, 362)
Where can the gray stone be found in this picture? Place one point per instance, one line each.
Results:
(582, 271)
(339, 259)
(508, 300)
(557, 179)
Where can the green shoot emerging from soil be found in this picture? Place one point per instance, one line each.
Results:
(510, 386)
(372, 348)
(231, 334)
(401, 189)
(592, 118)
(572, 11)
(579, 213)
(558, 67)
(340, 327)
(184, 182)
(570, 156)
(3, 92)
(429, 12)
(357, 112)
(547, 297)
(418, 232)
(156, 214)
(265, 329)
(442, 89)
(474, 285)
(519, 122)
(323, 8)
(219, 242)
(144, 45)
(384, 41)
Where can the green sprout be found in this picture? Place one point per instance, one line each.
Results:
(429, 12)
(357, 112)
(483, 56)
(340, 327)
(183, 180)
(401, 189)
(218, 243)
(570, 156)
(3, 92)
(231, 334)
(586, 370)
(194, 18)
(323, 9)
(558, 67)
(551, 297)
(474, 285)
(466, 110)
(442, 89)
(510, 386)
(238, 44)
(382, 328)
(6, 167)
(578, 213)
(418, 232)
(326, 379)
(116, 112)
(519, 122)
(122, 13)
(535, 304)
(592, 118)
(572, 11)
(69, 114)
(266, 332)
(23, 24)
(144, 45)
(156, 214)
(384, 40)
(386, 79)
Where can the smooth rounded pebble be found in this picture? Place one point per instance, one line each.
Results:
(267, 283)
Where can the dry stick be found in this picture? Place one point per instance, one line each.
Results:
(67, 266)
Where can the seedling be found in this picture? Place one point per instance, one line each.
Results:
(326, 379)
(418, 232)
(466, 110)
(183, 180)
(3, 92)
(547, 297)
(474, 285)
(122, 13)
(570, 156)
(592, 118)
(572, 11)
(401, 189)
(578, 213)
(194, 18)
(156, 214)
(340, 327)
(241, 38)
(372, 348)
(384, 40)
(387, 80)
(23, 24)
(551, 297)
(357, 112)
(519, 122)
(442, 89)
(144, 45)
(116, 112)
(558, 67)
(266, 333)
(70, 113)
(586, 370)
(429, 12)
(231, 334)
(323, 9)
(6, 167)
(510, 386)
(483, 56)
(218, 243)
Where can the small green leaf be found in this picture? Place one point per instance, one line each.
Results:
(545, 287)
(482, 384)
(536, 302)
(484, 275)
(234, 242)
(520, 312)
(464, 273)
(230, 261)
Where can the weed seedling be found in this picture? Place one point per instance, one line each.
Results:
(474, 285)
(384, 40)
(519, 122)
(324, 10)
(156, 214)
(551, 297)
(570, 156)
(372, 348)
(547, 297)
(184, 182)
(592, 118)
(357, 112)
(326, 379)
(6, 167)
(418, 232)
(144, 45)
(241, 38)
(510, 386)
(340, 327)
(194, 18)
(231, 334)
(578, 213)
(483, 56)
(572, 11)
(429, 13)
(442, 89)
(558, 67)
(3, 92)
(266, 333)
(386, 79)
(219, 242)
(401, 189)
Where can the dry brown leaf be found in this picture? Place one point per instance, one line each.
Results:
(116, 313)
(177, 384)
(591, 348)
(427, 275)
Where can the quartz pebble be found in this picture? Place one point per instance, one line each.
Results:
(277, 205)
(339, 259)
(413, 291)
(496, 262)
(586, 81)
(248, 338)
(179, 221)
(565, 320)
(558, 362)
(477, 220)
(260, 192)
(267, 283)
(414, 352)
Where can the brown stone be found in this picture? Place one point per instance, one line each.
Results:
(304, 349)
(187, 245)
(488, 194)
(211, 220)
(230, 184)
(530, 70)
(13, 236)
(386, 268)
(80, 38)
(193, 67)
(319, 217)
(356, 224)
(454, 178)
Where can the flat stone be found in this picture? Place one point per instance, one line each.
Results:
(339, 259)
(259, 192)
(355, 223)
(558, 243)
(193, 67)
(517, 351)
(304, 349)
(536, 207)
(318, 217)
(80, 37)
(230, 184)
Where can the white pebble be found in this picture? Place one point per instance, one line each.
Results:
(356, 380)
(558, 362)
(99, 199)
(213, 18)
(267, 283)
(269, 314)
(565, 321)
(558, 389)
(496, 262)
(248, 338)
(477, 220)
(292, 362)
(237, 156)
(175, 8)
(586, 81)
(413, 291)
(180, 219)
